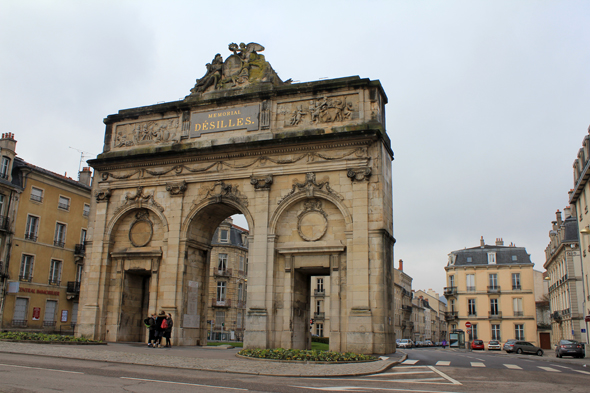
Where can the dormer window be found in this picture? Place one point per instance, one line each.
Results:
(469, 259)
(4, 168)
(223, 236)
(491, 258)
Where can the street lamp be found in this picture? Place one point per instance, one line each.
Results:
(585, 230)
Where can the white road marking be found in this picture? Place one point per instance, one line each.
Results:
(39, 368)
(443, 363)
(353, 388)
(513, 366)
(549, 369)
(383, 357)
(445, 376)
(477, 364)
(181, 383)
(582, 371)
(412, 361)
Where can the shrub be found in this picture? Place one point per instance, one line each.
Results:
(28, 336)
(305, 355)
(323, 340)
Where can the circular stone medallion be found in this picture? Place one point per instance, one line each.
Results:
(140, 233)
(312, 226)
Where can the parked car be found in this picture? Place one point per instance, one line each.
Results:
(524, 347)
(569, 348)
(428, 343)
(477, 344)
(494, 345)
(405, 343)
(508, 345)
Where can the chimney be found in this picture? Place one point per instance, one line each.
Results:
(554, 226)
(7, 142)
(85, 176)
(567, 212)
(482, 242)
(558, 217)
(499, 241)
(401, 266)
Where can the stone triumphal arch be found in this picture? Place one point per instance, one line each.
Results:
(307, 164)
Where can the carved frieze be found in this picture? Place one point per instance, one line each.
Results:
(140, 199)
(359, 174)
(176, 188)
(141, 230)
(102, 195)
(318, 111)
(261, 183)
(312, 222)
(310, 187)
(147, 132)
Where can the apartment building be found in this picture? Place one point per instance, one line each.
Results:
(492, 287)
(403, 295)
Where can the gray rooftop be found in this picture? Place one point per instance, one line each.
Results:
(505, 255)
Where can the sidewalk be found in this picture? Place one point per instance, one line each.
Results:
(199, 358)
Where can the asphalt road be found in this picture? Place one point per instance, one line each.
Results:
(424, 371)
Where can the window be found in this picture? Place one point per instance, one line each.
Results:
(220, 318)
(519, 332)
(242, 263)
(469, 259)
(55, 272)
(20, 310)
(222, 265)
(223, 238)
(32, 227)
(470, 282)
(516, 281)
(320, 285)
(453, 327)
(496, 332)
(36, 194)
(451, 281)
(83, 236)
(514, 258)
(319, 329)
(453, 305)
(474, 331)
(494, 307)
(221, 291)
(240, 291)
(239, 321)
(49, 317)
(74, 317)
(471, 307)
(491, 258)
(4, 168)
(26, 268)
(517, 304)
(86, 211)
(60, 235)
(493, 278)
(64, 203)
(2, 204)
(318, 306)
(79, 269)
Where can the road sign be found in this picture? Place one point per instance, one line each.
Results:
(467, 324)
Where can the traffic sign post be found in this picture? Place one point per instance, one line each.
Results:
(468, 326)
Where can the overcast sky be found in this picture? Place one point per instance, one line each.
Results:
(488, 100)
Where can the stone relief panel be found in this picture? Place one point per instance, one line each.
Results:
(324, 110)
(147, 132)
(137, 228)
(312, 222)
(141, 230)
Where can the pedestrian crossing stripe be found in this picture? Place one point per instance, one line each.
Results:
(443, 363)
(582, 371)
(477, 364)
(549, 369)
(513, 366)
(412, 361)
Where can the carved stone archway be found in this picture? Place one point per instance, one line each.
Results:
(309, 165)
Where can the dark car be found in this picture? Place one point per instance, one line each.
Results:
(523, 347)
(477, 344)
(508, 345)
(569, 348)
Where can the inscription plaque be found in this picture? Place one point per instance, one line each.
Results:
(243, 117)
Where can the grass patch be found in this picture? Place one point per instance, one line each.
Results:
(232, 343)
(26, 336)
(320, 346)
(304, 355)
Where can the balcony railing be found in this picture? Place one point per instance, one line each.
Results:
(470, 289)
(497, 314)
(4, 223)
(48, 323)
(19, 323)
(25, 277)
(567, 311)
(223, 272)
(516, 287)
(220, 303)
(80, 250)
(73, 287)
(407, 308)
(319, 315)
(493, 289)
(4, 175)
(64, 206)
(319, 292)
(451, 315)
(518, 313)
(31, 236)
(37, 198)
(450, 291)
(54, 281)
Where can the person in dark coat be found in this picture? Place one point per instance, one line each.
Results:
(150, 323)
(159, 330)
(168, 330)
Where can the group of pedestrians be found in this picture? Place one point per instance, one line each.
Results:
(159, 326)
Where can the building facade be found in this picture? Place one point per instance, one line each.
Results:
(403, 322)
(492, 287)
(579, 197)
(564, 270)
(228, 283)
(320, 301)
(47, 255)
